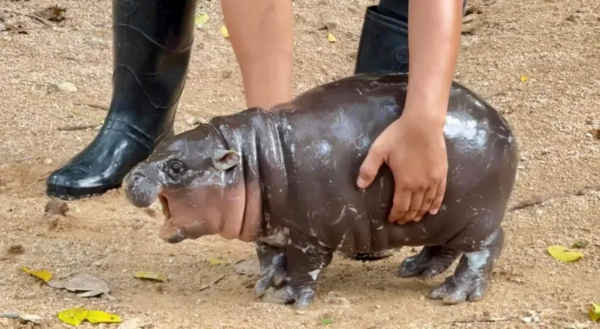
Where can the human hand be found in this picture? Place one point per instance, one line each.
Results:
(415, 151)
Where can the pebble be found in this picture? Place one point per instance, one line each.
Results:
(65, 86)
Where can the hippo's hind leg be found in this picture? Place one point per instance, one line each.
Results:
(472, 275)
(431, 261)
(306, 258)
(272, 262)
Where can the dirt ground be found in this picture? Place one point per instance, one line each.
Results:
(556, 43)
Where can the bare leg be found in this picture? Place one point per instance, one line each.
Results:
(262, 36)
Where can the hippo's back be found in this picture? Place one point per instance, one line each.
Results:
(325, 135)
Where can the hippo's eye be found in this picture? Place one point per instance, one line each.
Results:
(176, 167)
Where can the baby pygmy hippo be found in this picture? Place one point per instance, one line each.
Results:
(285, 179)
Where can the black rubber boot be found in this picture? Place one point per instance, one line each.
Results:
(152, 42)
(383, 44)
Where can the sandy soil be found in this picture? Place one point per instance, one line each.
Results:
(554, 42)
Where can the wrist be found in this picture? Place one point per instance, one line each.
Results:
(430, 115)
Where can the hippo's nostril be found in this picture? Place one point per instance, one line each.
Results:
(140, 190)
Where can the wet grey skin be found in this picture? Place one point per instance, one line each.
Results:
(285, 180)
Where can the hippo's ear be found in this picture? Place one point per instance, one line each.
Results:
(226, 159)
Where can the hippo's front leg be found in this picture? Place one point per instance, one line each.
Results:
(272, 266)
(306, 257)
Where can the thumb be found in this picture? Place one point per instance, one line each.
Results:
(369, 169)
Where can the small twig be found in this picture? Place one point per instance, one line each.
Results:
(213, 282)
(43, 20)
(82, 127)
(94, 105)
(539, 200)
(469, 19)
(486, 320)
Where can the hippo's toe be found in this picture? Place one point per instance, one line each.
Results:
(301, 297)
(454, 291)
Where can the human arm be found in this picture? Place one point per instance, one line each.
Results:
(414, 145)
(262, 36)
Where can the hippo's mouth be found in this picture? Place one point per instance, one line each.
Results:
(164, 202)
(169, 232)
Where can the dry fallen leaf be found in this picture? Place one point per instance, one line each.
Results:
(330, 37)
(224, 31)
(201, 19)
(24, 318)
(594, 311)
(53, 13)
(250, 267)
(563, 254)
(42, 274)
(524, 78)
(154, 276)
(87, 285)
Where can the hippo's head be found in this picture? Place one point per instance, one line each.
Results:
(189, 174)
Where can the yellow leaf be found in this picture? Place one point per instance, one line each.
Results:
(594, 311)
(159, 276)
(201, 19)
(330, 37)
(42, 274)
(524, 78)
(563, 254)
(224, 31)
(73, 316)
(215, 261)
(102, 317)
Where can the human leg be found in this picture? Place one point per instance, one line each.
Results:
(152, 42)
(262, 36)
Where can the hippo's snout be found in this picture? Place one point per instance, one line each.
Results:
(140, 190)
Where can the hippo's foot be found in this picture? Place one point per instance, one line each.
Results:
(430, 262)
(272, 266)
(305, 260)
(472, 275)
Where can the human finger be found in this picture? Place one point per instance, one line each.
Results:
(439, 197)
(428, 199)
(400, 205)
(369, 168)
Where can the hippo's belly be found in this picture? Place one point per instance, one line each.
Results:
(324, 148)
